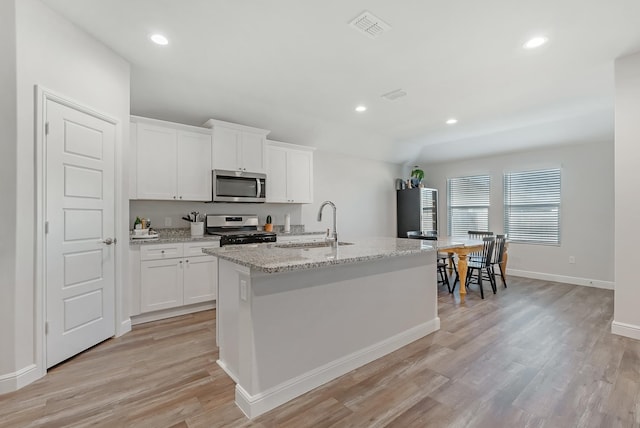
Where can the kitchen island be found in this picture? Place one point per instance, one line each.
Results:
(292, 317)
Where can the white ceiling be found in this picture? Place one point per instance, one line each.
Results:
(297, 68)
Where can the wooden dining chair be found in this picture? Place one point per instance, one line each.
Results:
(477, 234)
(498, 257)
(443, 278)
(482, 266)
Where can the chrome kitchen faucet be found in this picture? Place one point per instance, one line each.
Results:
(334, 237)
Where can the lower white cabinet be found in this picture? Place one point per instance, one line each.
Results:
(198, 280)
(161, 284)
(174, 275)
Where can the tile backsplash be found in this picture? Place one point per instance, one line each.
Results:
(162, 212)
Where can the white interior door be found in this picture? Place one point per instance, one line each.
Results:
(80, 211)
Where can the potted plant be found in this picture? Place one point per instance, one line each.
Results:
(417, 175)
(268, 227)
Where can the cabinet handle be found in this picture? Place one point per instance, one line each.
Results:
(174, 197)
(180, 197)
(162, 252)
(187, 261)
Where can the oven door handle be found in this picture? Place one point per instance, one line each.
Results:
(259, 188)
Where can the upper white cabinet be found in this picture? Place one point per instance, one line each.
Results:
(170, 161)
(237, 147)
(289, 173)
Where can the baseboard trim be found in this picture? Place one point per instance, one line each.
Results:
(626, 330)
(173, 312)
(255, 405)
(125, 327)
(13, 381)
(596, 283)
(226, 369)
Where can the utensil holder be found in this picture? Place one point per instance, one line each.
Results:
(197, 228)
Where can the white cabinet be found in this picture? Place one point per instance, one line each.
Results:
(237, 147)
(289, 173)
(173, 275)
(161, 284)
(170, 161)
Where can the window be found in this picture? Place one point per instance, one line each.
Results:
(532, 206)
(468, 204)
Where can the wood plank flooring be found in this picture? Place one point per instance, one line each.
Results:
(537, 354)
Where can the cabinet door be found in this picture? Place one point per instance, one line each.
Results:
(300, 176)
(161, 284)
(276, 174)
(156, 162)
(252, 152)
(133, 164)
(225, 148)
(194, 166)
(200, 279)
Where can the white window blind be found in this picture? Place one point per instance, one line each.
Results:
(468, 204)
(532, 206)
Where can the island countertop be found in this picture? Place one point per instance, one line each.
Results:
(274, 258)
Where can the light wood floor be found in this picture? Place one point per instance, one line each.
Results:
(537, 354)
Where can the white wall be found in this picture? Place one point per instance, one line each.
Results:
(363, 191)
(8, 148)
(627, 206)
(57, 55)
(586, 209)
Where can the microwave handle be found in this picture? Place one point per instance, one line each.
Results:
(259, 188)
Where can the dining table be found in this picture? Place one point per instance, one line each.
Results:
(462, 247)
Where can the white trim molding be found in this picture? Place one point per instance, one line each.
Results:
(627, 330)
(13, 381)
(170, 313)
(597, 283)
(255, 405)
(123, 328)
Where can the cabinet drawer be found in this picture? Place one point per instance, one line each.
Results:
(161, 251)
(194, 249)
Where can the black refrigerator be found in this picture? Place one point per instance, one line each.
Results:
(417, 209)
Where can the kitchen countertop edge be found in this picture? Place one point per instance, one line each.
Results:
(249, 259)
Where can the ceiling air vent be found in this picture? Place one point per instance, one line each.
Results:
(370, 25)
(394, 95)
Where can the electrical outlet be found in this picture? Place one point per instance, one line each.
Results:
(167, 221)
(572, 260)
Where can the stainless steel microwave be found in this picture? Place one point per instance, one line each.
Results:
(238, 186)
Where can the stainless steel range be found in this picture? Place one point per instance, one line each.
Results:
(237, 229)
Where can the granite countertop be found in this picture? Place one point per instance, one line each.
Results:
(168, 236)
(270, 258)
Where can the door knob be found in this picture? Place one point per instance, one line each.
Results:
(109, 241)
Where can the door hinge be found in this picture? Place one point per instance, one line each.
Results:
(46, 327)
(46, 128)
(46, 227)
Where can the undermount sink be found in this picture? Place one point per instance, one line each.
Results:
(303, 245)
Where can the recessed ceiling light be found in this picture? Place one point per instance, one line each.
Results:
(360, 109)
(535, 42)
(159, 39)
(451, 121)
